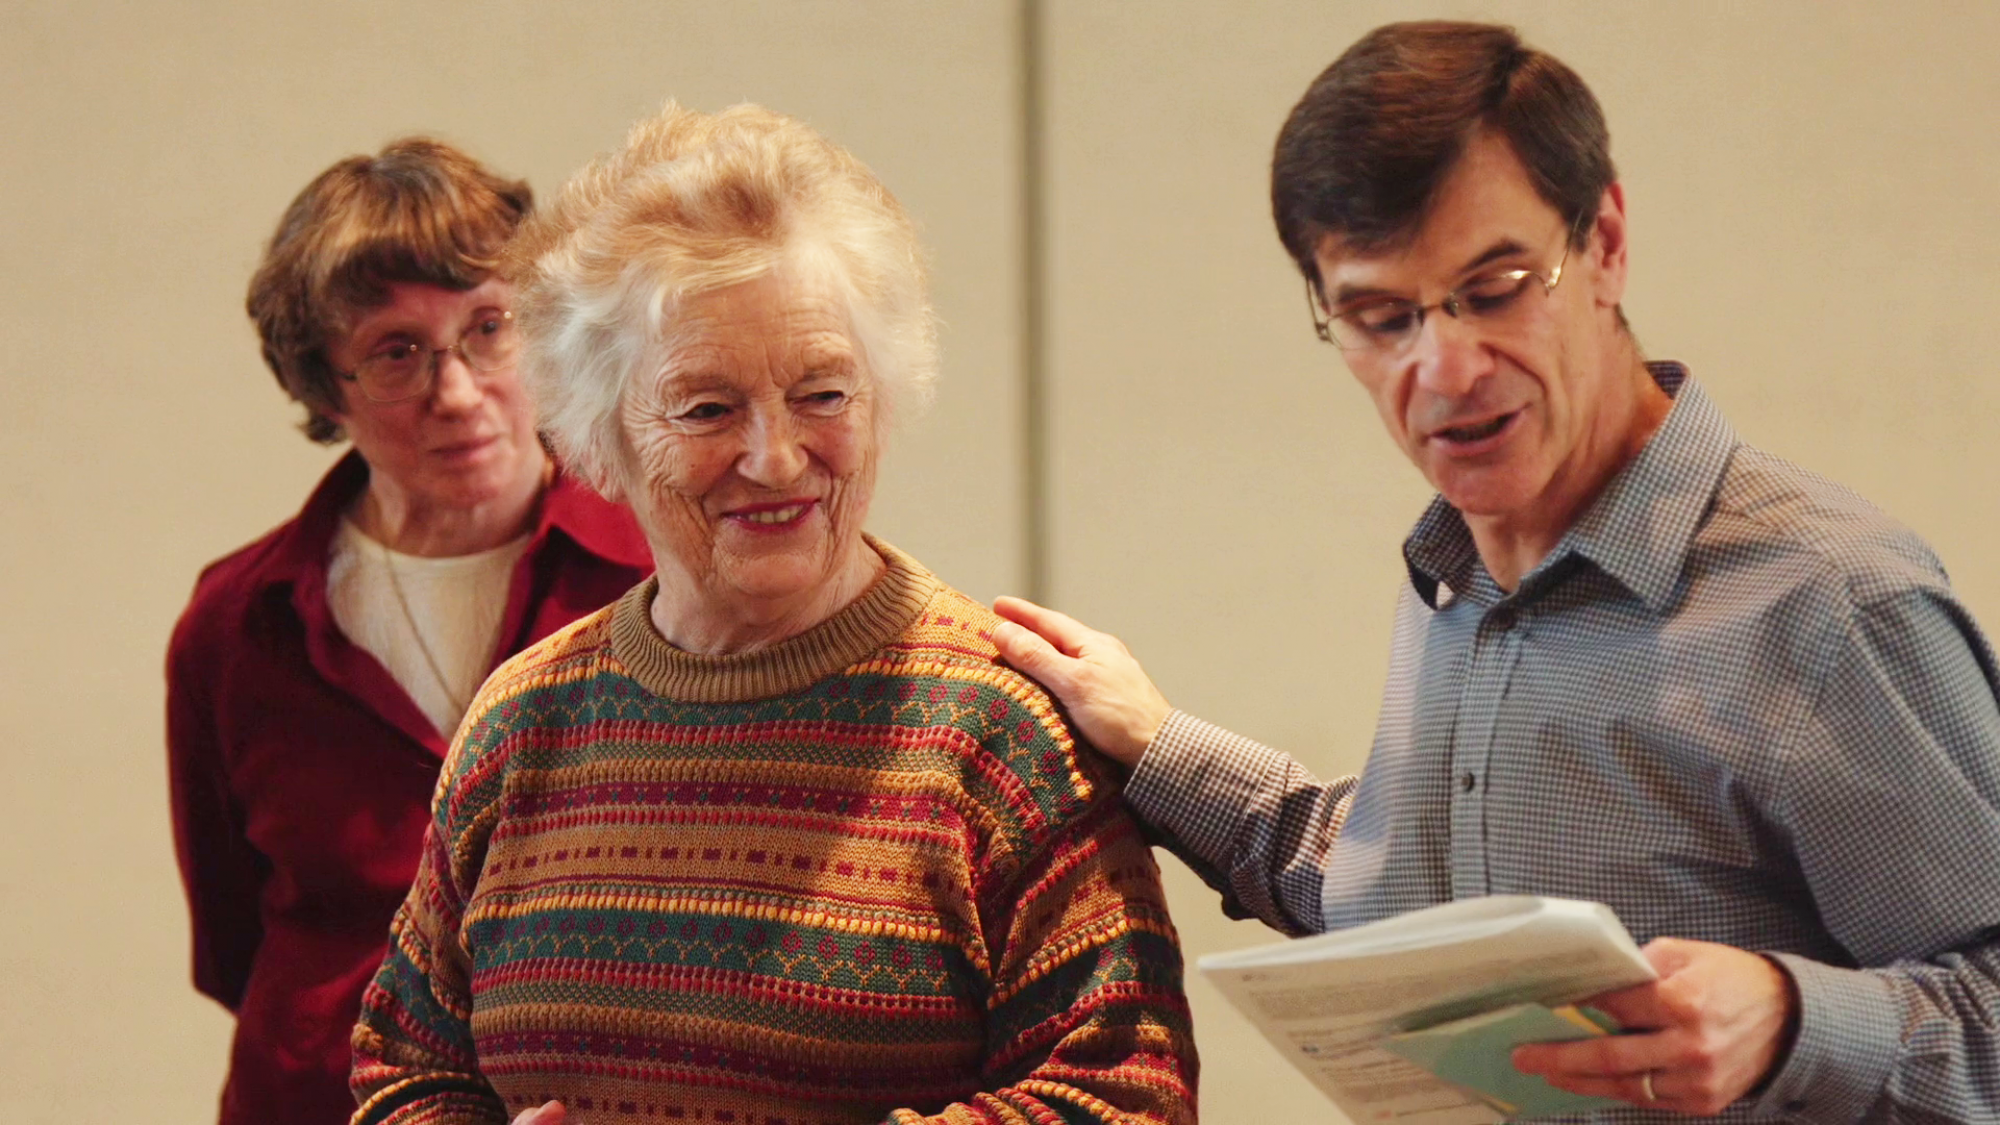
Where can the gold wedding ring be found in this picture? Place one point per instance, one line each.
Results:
(1646, 1086)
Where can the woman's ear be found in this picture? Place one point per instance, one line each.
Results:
(588, 466)
(608, 481)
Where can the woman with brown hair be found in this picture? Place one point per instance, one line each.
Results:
(317, 674)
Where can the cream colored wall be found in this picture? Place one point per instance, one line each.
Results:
(1812, 190)
(1811, 185)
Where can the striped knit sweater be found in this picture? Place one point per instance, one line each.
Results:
(861, 875)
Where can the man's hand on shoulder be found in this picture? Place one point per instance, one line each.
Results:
(1109, 696)
(1713, 1027)
(548, 1113)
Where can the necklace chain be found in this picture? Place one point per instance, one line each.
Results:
(396, 586)
(423, 646)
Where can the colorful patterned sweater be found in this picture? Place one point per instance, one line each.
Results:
(861, 875)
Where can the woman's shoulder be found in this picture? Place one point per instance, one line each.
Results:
(228, 590)
(574, 652)
(954, 633)
(1039, 785)
(229, 585)
(522, 699)
(951, 642)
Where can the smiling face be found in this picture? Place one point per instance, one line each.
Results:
(752, 454)
(1518, 419)
(470, 440)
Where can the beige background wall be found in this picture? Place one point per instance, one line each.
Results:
(1813, 189)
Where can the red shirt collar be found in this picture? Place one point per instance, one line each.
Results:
(597, 525)
(569, 506)
(297, 555)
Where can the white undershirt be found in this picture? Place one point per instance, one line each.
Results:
(455, 605)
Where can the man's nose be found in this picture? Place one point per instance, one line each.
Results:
(773, 455)
(455, 385)
(1450, 355)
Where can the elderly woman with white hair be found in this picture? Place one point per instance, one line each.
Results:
(773, 840)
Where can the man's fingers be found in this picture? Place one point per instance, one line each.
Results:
(1637, 1008)
(548, 1113)
(1111, 701)
(1699, 1038)
(1632, 1088)
(1628, 1067)
(1027, 651)
(1669, 955)
(1608, 1056)
(1066, 633)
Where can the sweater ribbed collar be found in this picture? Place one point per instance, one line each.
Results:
(883, 612)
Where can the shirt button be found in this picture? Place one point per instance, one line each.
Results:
(1468, 781)
(1502, 619)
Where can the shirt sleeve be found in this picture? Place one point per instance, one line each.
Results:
(221, 873)
(415, 1062)
(1086, 1015)
(1251, 821)
(1893, 801)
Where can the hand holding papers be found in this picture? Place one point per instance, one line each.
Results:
(1475, 1054)
(1331, 1003)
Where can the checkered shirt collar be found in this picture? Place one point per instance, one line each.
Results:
(1637, 530)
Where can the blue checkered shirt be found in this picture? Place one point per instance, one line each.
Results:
(1736, 703)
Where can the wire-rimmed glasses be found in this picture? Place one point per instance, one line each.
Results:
(406, 370)
(1390, 324)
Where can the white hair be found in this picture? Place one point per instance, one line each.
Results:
(694, 203)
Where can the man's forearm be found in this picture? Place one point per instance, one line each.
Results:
(1252, 821)
(1913, 1041)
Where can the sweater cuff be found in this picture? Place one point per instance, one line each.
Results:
(1849, 1034)
(1195, 780)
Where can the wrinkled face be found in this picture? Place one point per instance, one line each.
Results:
(753, 446)
(1496, 414)
(472, 436)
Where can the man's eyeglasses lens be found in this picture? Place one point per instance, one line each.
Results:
(1388, 325)
(405, 371)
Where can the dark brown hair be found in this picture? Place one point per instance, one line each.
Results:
(419, 211)
(1363, 153)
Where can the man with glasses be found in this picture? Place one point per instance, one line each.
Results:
(1636, 661)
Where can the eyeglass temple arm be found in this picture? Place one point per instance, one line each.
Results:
(1321, 328)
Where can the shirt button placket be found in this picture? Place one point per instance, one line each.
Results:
(1494, 650)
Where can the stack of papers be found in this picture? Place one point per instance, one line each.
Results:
(1413, 1018)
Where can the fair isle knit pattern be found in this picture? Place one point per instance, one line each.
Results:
(863, 875)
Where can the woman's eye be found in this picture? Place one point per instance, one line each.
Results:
(706, 412)
(395, 358)
(823, 401)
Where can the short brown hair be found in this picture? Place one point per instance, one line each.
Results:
(1363, 153)
(419, 211)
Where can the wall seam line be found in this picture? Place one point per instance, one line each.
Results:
(1035, 498)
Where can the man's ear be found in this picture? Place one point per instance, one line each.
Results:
(1611, 242)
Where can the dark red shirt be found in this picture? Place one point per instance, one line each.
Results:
(301, 777)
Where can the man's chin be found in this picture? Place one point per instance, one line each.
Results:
(1484, 493)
